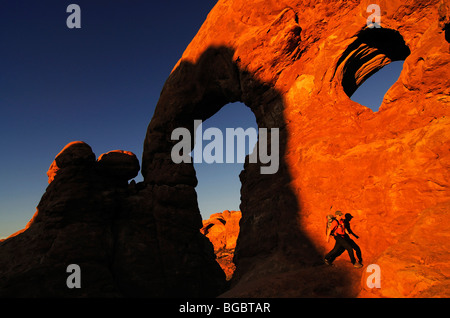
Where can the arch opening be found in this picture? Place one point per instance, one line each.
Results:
(224, 173)
(372, 50)
(268, 202)
(218, 188)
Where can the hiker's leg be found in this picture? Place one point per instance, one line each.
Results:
(331, 254)
(357, 250)
(339, 251)
(345, 244)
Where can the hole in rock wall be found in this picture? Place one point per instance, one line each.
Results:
(371, 92)
(373, 50)
(219, 185)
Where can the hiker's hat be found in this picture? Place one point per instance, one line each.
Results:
(338, 213)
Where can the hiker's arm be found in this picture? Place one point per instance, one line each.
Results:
(333, 226)
(328, 234)
(349, 231)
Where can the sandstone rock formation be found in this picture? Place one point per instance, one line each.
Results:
(294, 64)
(222, 229)
(91, 217)
(119, 164)
(76, 153)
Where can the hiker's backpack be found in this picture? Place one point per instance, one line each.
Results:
(329, 219)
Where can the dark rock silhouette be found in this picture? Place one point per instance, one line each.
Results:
(91, 217)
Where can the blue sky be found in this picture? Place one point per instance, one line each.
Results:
(98, 84)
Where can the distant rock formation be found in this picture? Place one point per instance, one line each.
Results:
(222, 229)
(294, 64)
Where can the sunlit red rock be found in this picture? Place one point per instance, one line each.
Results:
(222, 229)
(418, 265)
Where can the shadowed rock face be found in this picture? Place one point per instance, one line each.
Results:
(294, 64)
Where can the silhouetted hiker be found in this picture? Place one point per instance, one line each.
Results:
(349, 231)
(338, 231)
(348, 218)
